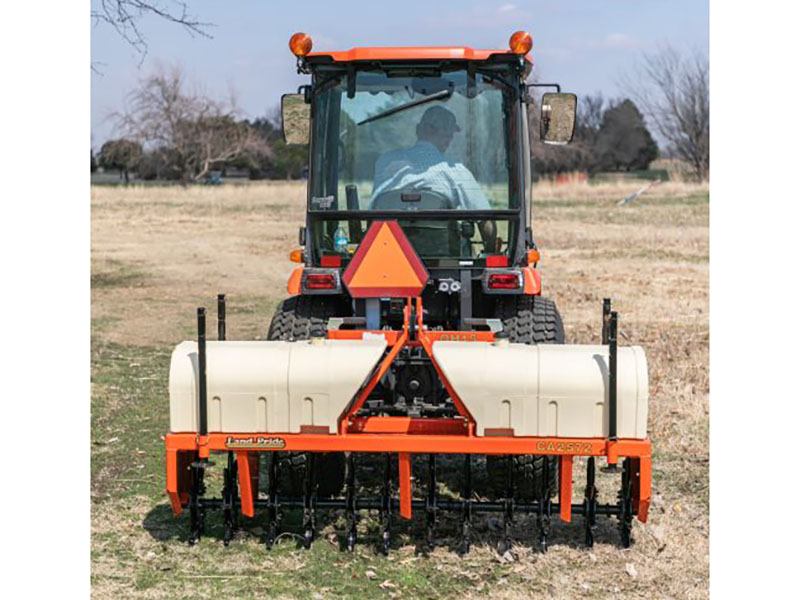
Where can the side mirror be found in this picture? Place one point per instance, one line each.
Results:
(557, 123)
(295, 118)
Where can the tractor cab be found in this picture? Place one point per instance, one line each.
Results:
(434, 138)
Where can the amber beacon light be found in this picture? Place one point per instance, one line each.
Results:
(520, 42)
(300, 44)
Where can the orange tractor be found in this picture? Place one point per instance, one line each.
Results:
(415, 332)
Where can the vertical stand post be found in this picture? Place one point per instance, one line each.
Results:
(229, 473)
(612, 376)
(201, 367)
(221, 317)
(606, 315)
(196, 508)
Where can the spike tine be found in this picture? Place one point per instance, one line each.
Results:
(350, 501)
(227, 517)
(386, 503)
(508, 506)
(431, 503)
(589, 503)
(196, 509)
(309, 515)
(272, 503)
(466, 522)
(543, 507)
(625, 504)
(235, 488)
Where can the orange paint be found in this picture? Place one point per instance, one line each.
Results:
(565, 487)
(404, 482)
(468, 443)
(411, 53)
(409, 443)
(293, 285)
(385, 265)
(408, 425)
(247, 463)
(532, 281)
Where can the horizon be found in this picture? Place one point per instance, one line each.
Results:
(586, 46)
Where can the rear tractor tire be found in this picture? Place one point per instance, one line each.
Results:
(528, 320)
(300, 318)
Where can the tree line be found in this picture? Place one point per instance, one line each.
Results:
(610, 135)
(172, 132)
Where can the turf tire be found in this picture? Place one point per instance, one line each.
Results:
(300, 318)
(528, 320)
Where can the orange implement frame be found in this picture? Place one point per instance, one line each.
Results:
(404, 436)
(181, 447)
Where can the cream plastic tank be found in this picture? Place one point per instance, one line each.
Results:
(270, 386)
(546, 389)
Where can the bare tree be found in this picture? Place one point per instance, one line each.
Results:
(125, 16)
(590, 111)
(197, 132)
(672, 90)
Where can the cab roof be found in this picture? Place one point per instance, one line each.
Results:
(412, 53)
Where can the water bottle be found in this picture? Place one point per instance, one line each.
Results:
(340, 240)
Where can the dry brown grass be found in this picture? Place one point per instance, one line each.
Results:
(159, 252)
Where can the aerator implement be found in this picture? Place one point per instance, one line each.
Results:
(415, 325)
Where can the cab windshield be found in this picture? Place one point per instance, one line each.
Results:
(412, 140)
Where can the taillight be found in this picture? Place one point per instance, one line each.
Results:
(497, 260)
(331, 260)
(504, 281)
(320, 281)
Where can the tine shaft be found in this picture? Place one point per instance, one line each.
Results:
(466, 523)
(625, 504)
(350, 500)
(508, 506)
(272, 508)
(386, 504)
(543, 512)
(431, 503)
(196, 509)
(309, 516)
(589, 503)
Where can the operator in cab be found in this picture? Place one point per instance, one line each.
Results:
(421, 177)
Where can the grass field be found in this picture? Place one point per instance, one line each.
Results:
(157, 253)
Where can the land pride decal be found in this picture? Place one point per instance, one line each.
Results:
(255, 441)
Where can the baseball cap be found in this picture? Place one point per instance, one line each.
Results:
(440, 118)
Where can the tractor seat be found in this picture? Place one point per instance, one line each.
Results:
(429, 237)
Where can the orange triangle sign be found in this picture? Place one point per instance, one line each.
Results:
(385, 265)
